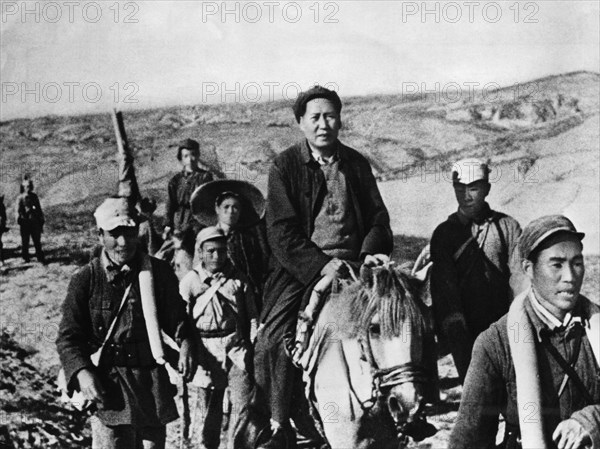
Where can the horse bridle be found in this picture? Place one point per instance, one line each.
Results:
(386, 379)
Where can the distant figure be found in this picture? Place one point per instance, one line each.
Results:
(3, 227)
(31, 221)
(221, 304)
(180, 189)
(475, 263)
(237, 208)
(539, 365)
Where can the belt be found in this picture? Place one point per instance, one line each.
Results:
(217, 333)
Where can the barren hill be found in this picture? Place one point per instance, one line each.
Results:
(542, 137)
(544, 132)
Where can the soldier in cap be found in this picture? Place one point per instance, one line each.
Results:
(121, 303)
(323, 208)
(539, 364)
(181, 186)
(30, 218)
(221, 303)
(476, 270)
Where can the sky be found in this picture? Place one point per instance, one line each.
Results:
(68, 57)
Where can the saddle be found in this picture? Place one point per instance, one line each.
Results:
(297, 349)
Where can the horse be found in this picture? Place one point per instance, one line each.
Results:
(370, 366)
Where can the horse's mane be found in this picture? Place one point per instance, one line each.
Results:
(388, 291)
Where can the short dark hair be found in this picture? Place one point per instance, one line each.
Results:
(225, 195)
(299, 107)
(190, 145)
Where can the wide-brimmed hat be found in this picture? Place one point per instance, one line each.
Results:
(204, 199)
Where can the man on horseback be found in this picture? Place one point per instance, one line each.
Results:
(475, 263)
(324, 207)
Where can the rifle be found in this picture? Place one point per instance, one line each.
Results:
(127, 187)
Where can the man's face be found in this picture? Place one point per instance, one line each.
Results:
(471, 197)
(120, 243)
(320, 124)
(557, 275)
(213, 255)
(228, 212)
(188, 159)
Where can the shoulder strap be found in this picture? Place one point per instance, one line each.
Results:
(459, 252)
(114, 321)
(204, 299)
(568, 369)
(98, 354)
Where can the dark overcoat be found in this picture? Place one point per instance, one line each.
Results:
(296, 191)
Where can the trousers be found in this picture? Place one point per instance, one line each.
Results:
(126, 437)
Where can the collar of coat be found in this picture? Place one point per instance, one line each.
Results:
(307, 153)
(521, 321)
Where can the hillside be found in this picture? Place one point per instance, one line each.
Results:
(543, 140)
(72, 159)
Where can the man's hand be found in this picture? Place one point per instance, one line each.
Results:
(90, 386)
(166, 235)
(187, 360)
(334, 268)
(569, 434)
(375, 260)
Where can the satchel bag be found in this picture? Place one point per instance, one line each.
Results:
(76, 397)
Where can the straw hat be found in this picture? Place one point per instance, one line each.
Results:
(204, 199)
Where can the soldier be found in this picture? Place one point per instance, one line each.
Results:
(538, 365)
(30, 218)
(475, 263)
(181, 187)
(323, 208)
(221, 302)
(119, 303)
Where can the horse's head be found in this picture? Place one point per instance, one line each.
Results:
(392, 329)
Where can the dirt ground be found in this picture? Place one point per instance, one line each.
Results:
(550, 167)
(30, 298)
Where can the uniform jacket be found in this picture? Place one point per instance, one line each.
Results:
(478, 284)
(180, 189)
(226, 324)
(490, 385)
(139, 390)
(296, 190)
(29, 210)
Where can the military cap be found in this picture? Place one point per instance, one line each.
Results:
(467, 171)
(542, 228)
(210, 233)
(115, 212)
